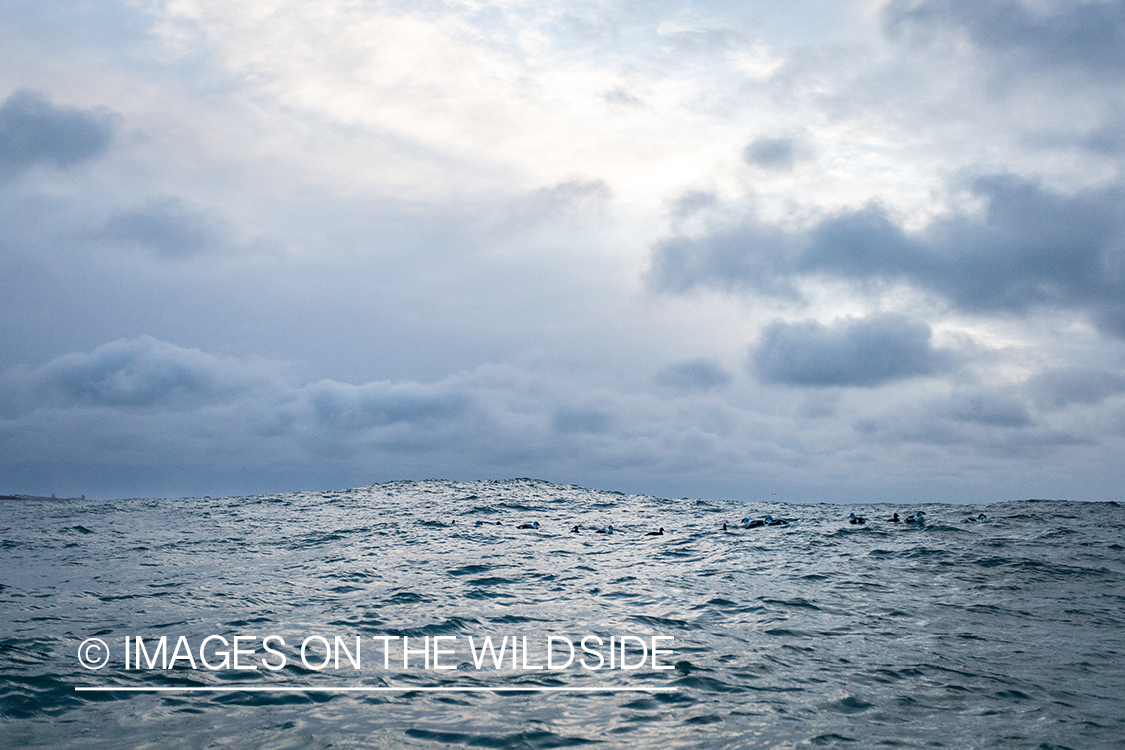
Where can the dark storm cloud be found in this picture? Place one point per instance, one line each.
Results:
(34, 131)
(1077, 35)
(168, 229)
(1031, 248)
(693, 375)
(862, 352)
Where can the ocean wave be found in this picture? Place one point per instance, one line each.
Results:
(818, 633)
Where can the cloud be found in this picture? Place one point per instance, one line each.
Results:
(779, 154)
(1108, 139)
(34, 131)
(132, 374)
(978, 420)
(693, 375)
(692, 202)
(1061, 386)
(751, 256)
(167, 228)
(862, 352)
(1088, 36)
(699, 40)
(572, 196)
(133, 409)
(1032, 87)
(569, 420)
(360, 407)
(991, 409)
(147, 415)
(619, 95)
(146, 375)
(1031, 248)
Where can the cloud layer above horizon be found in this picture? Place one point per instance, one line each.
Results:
(835, 250)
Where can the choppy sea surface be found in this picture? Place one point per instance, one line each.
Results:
(1006, 633)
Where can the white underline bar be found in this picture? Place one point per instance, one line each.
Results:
(367, 689)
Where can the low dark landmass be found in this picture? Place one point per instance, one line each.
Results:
(39, 497)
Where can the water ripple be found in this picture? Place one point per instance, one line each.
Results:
(1000, 634)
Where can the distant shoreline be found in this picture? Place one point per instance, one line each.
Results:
(39, 497)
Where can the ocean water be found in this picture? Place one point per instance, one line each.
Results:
(1006, 633)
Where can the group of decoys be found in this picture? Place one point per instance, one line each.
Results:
(534, 525)
(767, 521)
(757, 523)
(918, 517)
(747, 523)
(609, 530)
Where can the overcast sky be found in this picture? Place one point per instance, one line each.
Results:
(814, 250)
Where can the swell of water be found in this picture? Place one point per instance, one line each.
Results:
(1000, 634)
